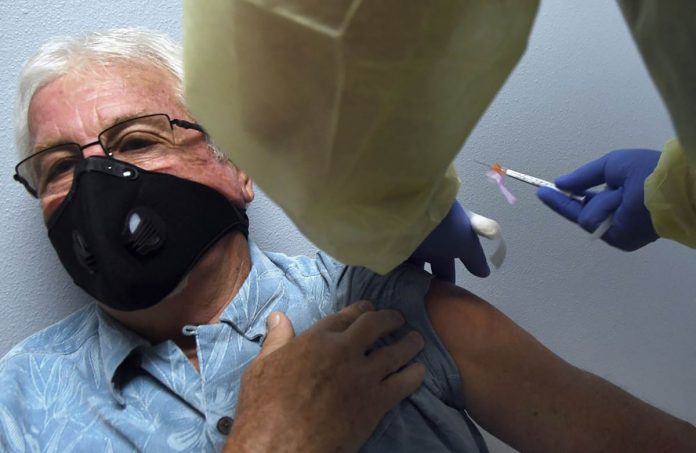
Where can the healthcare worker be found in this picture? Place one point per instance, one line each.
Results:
(649, 194)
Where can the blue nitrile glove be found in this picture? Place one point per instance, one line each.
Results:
(624, 172)
(453, 238)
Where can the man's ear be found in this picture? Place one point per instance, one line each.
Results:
(244, 183)
(247, 186)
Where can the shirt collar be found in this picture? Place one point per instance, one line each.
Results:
(116, 342)
(263, 286)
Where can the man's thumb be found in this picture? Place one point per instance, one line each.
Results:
(280, 332)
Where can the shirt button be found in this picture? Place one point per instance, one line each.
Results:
(224, 425)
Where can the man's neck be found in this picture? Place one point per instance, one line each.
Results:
(208, 290)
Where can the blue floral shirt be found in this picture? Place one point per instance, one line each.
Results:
(89, 384)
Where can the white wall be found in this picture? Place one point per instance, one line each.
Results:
(580, 90)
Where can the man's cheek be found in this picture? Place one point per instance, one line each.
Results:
(49, 205)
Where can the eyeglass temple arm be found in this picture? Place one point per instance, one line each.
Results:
(26, 185)
(188, 125)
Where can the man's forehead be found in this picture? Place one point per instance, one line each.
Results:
(91, 101)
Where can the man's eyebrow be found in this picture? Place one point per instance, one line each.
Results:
(48, 145)
(114, 121)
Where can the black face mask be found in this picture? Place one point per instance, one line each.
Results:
(128, 236)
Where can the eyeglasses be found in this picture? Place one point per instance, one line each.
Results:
(139, 141)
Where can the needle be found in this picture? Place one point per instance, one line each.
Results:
(532, 180)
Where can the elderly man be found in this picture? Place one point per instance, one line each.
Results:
(150, 222)
(147, 219)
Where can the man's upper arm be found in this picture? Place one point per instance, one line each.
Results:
(523, 393)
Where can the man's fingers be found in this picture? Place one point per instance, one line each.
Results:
(338, 322)
(388, 359)
(280, 332)
(371, 326)
(403, 383)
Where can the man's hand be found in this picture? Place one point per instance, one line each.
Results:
(624, 172)
(322, 391)
(453, 238)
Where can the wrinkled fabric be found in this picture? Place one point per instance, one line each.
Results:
(665, 32)
(348, 113)
(670, 195)
(88, 384)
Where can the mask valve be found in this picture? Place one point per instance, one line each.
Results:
(143, 232)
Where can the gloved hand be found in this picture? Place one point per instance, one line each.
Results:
(453, 238)
(624, 172)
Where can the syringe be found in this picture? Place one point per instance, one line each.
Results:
(533, 180)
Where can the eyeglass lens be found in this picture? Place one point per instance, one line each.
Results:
(140, 141)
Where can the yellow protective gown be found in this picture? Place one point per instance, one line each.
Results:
(348, 113)
(665, 31)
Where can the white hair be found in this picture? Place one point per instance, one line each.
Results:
(64, 55)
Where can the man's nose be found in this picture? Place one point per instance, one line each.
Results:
(93, 149)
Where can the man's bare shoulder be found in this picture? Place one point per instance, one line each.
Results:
(465, 322)
(447, 302)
